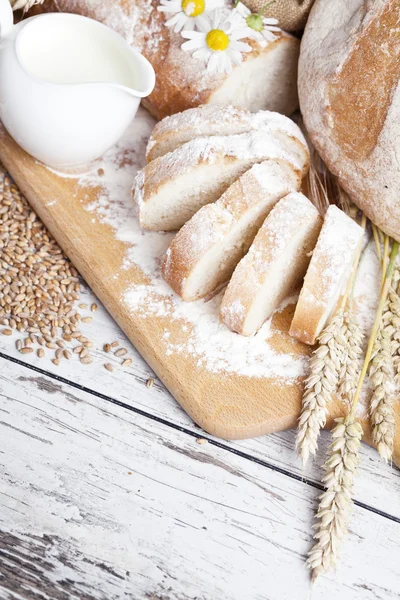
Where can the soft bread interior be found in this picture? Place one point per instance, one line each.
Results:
(275, 71)
(178, 184)
(327, 275)
(176, 202)
(284, 275)
(220, 261)
(217, 264)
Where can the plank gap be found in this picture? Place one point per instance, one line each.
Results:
(216, 443)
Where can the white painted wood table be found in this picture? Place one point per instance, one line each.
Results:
(106, 494)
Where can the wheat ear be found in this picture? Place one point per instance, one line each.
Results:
(381, 406)
(320, 386)
(343, 458)
(394, 317)
(325, 367)
(352, 359)
(335, 502)
(382, 375)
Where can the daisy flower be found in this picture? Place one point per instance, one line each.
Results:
(187, 14)
(217, 43)
(258, 27)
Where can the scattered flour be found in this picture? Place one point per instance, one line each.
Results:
(206, 338)
(203, 335)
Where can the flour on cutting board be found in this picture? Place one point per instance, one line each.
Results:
(214, 347)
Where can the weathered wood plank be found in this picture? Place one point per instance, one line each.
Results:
(98, 502)
(128, 386)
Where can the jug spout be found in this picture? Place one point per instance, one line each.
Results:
(144, 76)
(6, 18)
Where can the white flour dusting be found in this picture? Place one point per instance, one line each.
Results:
(204, 337)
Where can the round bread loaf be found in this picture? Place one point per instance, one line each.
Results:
(267, 78)
(350, 100)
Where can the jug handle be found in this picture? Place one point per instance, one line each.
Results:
(6, 18)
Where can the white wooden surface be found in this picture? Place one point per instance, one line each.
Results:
(105, 494)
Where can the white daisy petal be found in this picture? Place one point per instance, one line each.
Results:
(214, 4)
(213, 62)
(270, 21)
(192, 35)
(190, 45)
(242, 32)
(226, 64)
(268, 35)
(242, 10)
(174, 22)
(202, 23)
(240, 46)
(202, 54)
(170, 6)
(217, 60)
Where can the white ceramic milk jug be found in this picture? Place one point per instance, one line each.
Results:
(69, 86)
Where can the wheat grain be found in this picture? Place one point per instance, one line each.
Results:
(381, 405)
(38, 284)
(320, 385)
(335, 502)
(352, 357)
(383, 368)
(392, 317)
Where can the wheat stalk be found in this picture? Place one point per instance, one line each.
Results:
(335, 502)
(320, 386)
(323, 187)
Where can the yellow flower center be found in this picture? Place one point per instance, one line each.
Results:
(193, 8)
(217, 39)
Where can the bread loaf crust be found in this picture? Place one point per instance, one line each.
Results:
(224, 158)
(212, 120)
(261, 186)
(327, 275)
(182, 81)
(291, 214)
(349, 91)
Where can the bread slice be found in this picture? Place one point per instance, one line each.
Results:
(209, 120)
(274, 266)
(327, 276)
(172, 188)
(206, 250)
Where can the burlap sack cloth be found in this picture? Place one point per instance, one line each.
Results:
(291, 14)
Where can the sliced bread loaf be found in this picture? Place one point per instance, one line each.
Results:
(206, 250)
(327, 276)
(210, 120)
(172, 188)
(274, 266)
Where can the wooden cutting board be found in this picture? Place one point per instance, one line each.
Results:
(229, 402)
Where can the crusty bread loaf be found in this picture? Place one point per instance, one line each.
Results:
(172, 188)
(267, 78)
(209, 120)
(206, 250)
(349, 90)
(274, 266)
(329, 271)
